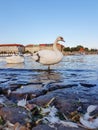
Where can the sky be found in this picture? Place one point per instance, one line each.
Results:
(42, 21)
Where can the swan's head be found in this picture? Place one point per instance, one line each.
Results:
(60, 39)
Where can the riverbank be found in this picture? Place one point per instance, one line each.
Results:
(24, 93)
(66, 98)
(80, 53)
(29, 93)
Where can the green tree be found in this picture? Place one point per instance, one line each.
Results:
(66, 49)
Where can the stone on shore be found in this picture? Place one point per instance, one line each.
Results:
(11, 112)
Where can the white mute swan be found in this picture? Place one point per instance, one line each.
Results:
(49, 57)
(14, 59)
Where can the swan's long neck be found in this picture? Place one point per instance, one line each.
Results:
(55, 46)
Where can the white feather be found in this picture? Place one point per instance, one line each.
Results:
(51, 115)
(22, 103)
(69, 124)
(91, 108)
(88, 120)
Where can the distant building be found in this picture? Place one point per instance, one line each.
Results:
(11, 48)
(34, 48)
(31, 48)
(46, 46)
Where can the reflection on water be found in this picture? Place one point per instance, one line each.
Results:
(72, 69)
(68, 62)
(20, 65)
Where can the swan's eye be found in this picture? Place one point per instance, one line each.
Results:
(61, 38)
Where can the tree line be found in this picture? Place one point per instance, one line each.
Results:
(79, 48)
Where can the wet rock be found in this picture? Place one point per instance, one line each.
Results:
(18, 126)
(43, 127)
(4, 101)
(14, 114)
(87, 85)
(14, 96)
(54, 86)
(55, 127)
(63, 104)
(66, 105)
(10, 111)
(32, 91)
(13, 87)
(26, 91)
(9, 126)
(42, 100)
(7, 87)
(69, 128)
(64, 101)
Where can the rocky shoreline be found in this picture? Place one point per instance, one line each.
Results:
(22, 102)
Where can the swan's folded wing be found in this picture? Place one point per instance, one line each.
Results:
(47, 53)
(44, 54)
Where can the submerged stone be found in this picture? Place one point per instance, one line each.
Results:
(87, 85)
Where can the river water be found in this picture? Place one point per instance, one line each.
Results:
(80, 69)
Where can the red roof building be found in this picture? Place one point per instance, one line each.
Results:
(11, 45)
(11, 48)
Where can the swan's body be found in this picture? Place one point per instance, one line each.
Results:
(49, 57)
(14, 59)
(90, 119)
